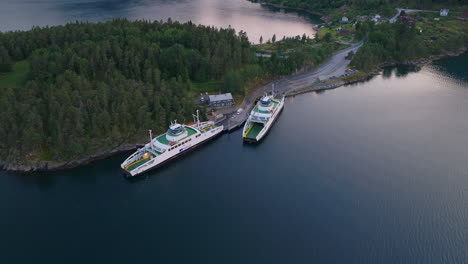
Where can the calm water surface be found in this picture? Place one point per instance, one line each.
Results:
(375, 172)
(240, 14)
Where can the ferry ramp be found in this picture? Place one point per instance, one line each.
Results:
(253, 131)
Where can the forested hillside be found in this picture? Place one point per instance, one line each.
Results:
(403, 42)
(84, 87)
(417, 36)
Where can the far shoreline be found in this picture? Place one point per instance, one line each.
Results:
(323, 17)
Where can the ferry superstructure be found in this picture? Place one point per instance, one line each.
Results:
(262, 117)
(178, 140)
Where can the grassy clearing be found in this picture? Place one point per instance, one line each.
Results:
(210, 86)
(17, 76)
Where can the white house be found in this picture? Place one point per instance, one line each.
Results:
(376, 18)
(444, 12)
(344, 20)
(363, 18)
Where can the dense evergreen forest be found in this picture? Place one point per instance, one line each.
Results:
(92, 86)
(81, 88)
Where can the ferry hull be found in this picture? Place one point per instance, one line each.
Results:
(266, 127)
(173, 158)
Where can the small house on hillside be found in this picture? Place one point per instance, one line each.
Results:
(376, 18)
(344, 20)
(444, 12)
(221, 100)
(363, 18)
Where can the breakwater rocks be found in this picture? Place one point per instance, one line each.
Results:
(332, 84)
(42, 166)
(316, 88)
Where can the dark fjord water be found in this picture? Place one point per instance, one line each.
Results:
(375, 172)
(240, 14)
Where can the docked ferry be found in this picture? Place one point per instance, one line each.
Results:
(262, 117)
(178, 140)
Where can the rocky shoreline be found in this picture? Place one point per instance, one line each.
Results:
(335, 84)
(44, 166)
(420, 63)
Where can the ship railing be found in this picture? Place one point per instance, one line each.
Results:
(257, 119)
(133, 156)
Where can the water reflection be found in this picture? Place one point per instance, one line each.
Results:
(240, 14)
(453, 67)
(399, 71)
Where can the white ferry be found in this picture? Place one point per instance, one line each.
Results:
(262, 117)
(178, 140)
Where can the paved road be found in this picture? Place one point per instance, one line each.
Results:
(334, 67)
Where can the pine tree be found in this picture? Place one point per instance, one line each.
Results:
(5, 60)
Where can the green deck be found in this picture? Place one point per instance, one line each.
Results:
(138, 164)
(162, 138)
(253, 133)
(143, 161)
